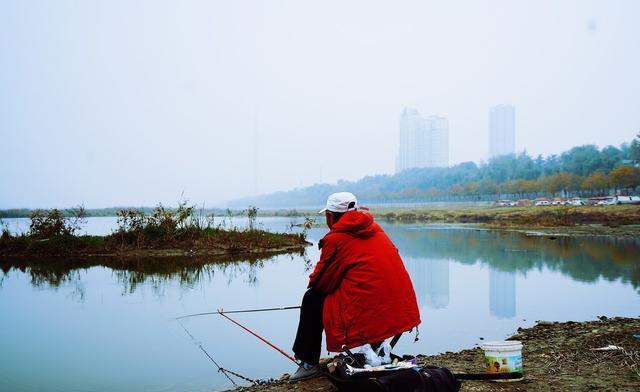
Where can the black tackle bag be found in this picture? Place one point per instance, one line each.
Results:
(419, 379)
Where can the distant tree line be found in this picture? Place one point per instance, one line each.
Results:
(582, 171)
(110, 211)
(65, 213)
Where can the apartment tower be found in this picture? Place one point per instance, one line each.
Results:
(424, 142)
(502, 130)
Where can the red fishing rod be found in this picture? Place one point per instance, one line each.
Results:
(221, 313)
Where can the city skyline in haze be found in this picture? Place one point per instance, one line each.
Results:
(125, 103)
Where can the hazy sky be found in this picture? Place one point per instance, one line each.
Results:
(133, 102)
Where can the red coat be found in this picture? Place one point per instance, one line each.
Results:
(369, 293)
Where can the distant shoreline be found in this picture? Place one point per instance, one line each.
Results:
(106, 212)
(610, 220)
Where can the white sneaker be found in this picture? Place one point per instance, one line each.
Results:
(305, 373)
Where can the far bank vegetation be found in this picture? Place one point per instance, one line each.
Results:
(551, 216)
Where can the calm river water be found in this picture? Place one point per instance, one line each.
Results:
(94, 329)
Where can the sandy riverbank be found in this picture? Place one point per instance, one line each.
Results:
(557, 357)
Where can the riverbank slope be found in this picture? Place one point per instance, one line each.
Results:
(557, 356)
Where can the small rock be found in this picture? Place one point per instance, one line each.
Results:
(285, 377)
(543, 322)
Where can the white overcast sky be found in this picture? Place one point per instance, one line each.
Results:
(134, 102)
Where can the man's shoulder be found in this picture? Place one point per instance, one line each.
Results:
(334, 238)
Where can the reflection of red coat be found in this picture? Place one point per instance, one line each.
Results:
(369, 293)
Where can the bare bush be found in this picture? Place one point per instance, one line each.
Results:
(53, 223)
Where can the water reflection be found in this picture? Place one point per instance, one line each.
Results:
(583, 259)
(131, 274)
(426, 250)
(502, 293)
(430, 279)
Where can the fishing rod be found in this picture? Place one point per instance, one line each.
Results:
(221, 313)
(240, 311)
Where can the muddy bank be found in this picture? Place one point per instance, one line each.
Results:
(616, 220)
(550, 216)
(594, 230)
(557, 356)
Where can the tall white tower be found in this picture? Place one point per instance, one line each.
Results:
(438, 129)
(424, 142)
(411, 135)
(502, 130)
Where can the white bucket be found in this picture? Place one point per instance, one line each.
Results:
(503, 356)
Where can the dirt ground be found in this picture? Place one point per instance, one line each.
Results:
(556, 357)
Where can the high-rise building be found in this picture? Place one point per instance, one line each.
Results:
(411, 130)
(424, 142)
(438, 129)
(502, 130)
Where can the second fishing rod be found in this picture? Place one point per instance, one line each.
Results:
(223, 313)
(240, 311)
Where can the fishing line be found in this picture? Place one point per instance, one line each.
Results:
(220, 369)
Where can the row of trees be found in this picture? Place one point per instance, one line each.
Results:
(585, 170)
(563, 183)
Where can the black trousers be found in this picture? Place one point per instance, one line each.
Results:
(309, 336)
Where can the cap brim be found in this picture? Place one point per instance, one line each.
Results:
(322, 211)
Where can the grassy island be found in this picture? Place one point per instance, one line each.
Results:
(163, 233)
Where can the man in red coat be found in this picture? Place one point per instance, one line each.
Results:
(359, 292)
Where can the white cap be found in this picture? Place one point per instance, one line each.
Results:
(339, 202)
